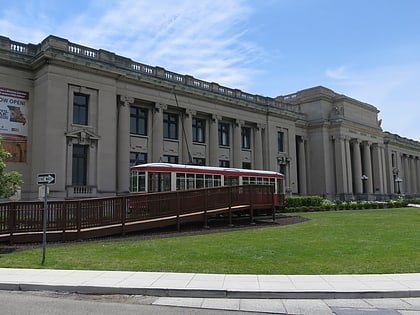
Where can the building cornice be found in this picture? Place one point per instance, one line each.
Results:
(56, 50)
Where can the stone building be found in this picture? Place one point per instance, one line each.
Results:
(88, 114)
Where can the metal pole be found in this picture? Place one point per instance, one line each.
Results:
(44, 225)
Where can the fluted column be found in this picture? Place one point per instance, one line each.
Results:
(214, 141)
(367, 165)
(157, 134)
(187, 137)
(417, 175)
(237, 144)
(349, 168)
(357, 163)
(406, 178)
(377, 169)
(258, 151)
(302, 166)
(413, 180)
(123, 146)
(340, 165)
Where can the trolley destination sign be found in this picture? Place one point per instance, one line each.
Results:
(45, 178)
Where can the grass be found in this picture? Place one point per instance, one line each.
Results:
(336, 242)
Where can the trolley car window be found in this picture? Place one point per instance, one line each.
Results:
(138, 182)
(217, 180)
(159, 182)
(190, 181)
(209, 181)
(231, 180)
(199, 179)
(180, 181)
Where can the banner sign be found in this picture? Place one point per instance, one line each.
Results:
(13, 122)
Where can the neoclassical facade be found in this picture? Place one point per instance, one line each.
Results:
(88, 114)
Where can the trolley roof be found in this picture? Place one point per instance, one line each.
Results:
(181, 168)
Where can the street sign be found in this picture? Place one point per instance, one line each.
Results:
(46, 178)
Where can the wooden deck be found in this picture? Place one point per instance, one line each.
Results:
(89, 218)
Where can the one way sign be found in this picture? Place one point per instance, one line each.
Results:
(48, 178)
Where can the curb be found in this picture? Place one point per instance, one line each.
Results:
(203, 293)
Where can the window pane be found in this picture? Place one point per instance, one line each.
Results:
(223, 134)
(170, 126)
(198, 126)
(79, 165)
(280, 136)
(138, 121)
(246, 138)
(80, 109)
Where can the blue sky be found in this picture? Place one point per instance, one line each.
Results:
(368, 50)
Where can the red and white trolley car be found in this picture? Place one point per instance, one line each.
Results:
(159, 177)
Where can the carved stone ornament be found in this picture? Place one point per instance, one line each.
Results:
(283, 159)
(82, 136)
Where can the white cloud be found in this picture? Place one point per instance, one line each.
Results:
(339, 73)
(393, 90)
(202, 38)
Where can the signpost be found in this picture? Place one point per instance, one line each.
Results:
(45, 179)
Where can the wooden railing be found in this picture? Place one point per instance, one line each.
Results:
(87, 218)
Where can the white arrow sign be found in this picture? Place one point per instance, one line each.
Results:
(46, 178)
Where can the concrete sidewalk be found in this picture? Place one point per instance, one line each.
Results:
(166, 284)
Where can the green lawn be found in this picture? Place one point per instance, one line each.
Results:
(336, 242)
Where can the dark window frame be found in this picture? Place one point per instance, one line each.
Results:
(246, 137)
(280, 141)
(224, 129)
(80, 109)
(79, 164)
(199, 130)
(170, 126)
(137, 158)
(138, 120)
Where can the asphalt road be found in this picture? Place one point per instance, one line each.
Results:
(47, 303)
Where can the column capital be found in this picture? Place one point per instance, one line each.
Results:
(160, 106)
(190, 112)
(126, 100)
(239, 122)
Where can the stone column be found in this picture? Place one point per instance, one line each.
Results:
(367, 165)
(237, 144)
(406, 173)
(214, 141)
(357, 163)
(302, 166)
(340, 165)
(377, 169)
(123, 146)
(417, 175)
(349, 189)
(258, 150)
(384, 172)
(157, 134)
(187, 137)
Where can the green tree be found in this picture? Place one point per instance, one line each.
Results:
(9, 181)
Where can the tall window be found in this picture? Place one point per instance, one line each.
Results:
(79, 166)
(198, 130)
(246, 165)
(170, 159)
(199, 161)
(280, 141)
(138, 121)
(170, 126)
(246, 137)
(137, 158)
(224, 134)
(80, 109)
(224, 163)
